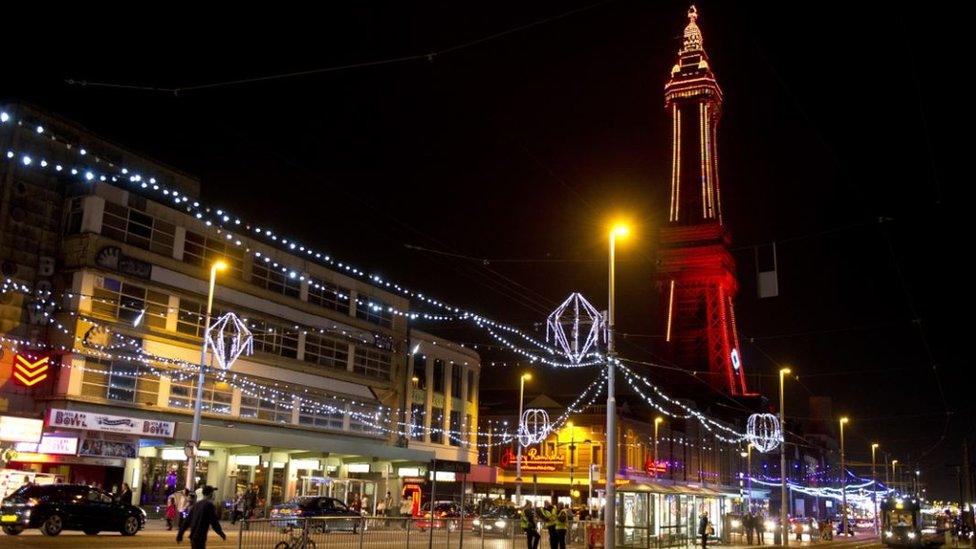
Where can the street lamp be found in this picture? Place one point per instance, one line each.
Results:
(518, 460)
(611, 493)
(191, 458)
(784, 534)
(657, 422)
(843, 479)
(894, 472)
(874, 481)
(748, 455)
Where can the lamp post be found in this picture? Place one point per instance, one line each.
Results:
(518, 459)
(748, 455)
(782, 462)
(609, 512)
(191, 460)
(843, 479)
(894, 472)
(874, 482)
(657, 422)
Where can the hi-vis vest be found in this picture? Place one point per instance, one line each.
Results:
(550, 516)
(526, 523)
(562, 519)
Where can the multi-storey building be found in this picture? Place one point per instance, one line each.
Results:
(107, 257)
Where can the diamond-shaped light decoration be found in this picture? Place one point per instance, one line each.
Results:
(575, 326)
(228, 337)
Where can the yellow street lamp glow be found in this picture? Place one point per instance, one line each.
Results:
(620, 230)
(843, 420)
(658, 420)
(744, 454)
(526, 376)
(785, 371)
(875, 446)
(219, 265)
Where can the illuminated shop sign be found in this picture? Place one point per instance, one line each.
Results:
(30, 371)
(20, 429)
(533, 461)
(90, 421)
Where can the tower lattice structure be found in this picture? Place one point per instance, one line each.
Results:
(696, 274)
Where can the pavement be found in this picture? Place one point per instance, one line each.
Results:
(155, 536)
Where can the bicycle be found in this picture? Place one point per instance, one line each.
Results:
(299, 541)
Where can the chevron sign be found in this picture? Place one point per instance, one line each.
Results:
(30, 372)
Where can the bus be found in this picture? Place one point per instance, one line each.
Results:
(904, 525)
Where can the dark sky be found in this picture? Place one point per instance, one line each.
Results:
(523, 146)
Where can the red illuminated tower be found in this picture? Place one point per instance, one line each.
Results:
(696, 276)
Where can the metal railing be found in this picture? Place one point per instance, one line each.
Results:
(406, 533)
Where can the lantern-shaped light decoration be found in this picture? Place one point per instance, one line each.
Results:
(229, 337)
(575, 326)
(533, 426)
(763, 431)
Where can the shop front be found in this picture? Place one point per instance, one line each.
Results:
(667, 515)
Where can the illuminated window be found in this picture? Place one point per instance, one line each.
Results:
(456, 374)
(270, 278)
(437, 425)
(267, 406)
(216, 395)
(137, 228)
(455, 438)
(120, 381)
(322, 416)
(365, 419)
(420, 371)
(202, 251)
(191, 316)
(326, 351)
(127, 302)
(417, 422)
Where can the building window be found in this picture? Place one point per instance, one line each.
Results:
(472, 390)
(456, 388)
(420, 372)
(322, 416)
(468, 427)
(120, 381)
(328, 295)
(137, 228)
(216, 395)
(128, 303)
(362, 419)
(438, 375)
(455, 437)
(374, 310)
(326, 351)
(437, 425)
(372, 363)
(269, 278)
(76, 212)
(595, 455)
(274, 339)
(417, 422)
(192, 315)
(203, 251)
(267, 406)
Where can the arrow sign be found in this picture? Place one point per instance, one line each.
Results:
(30, 372)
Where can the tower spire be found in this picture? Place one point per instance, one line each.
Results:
(693, 35)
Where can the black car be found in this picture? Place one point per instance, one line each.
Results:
(498, 521)
(57, 507)
(291, 512)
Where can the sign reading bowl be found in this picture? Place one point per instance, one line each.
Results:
(90, 421)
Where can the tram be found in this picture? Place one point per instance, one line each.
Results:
(904, 525)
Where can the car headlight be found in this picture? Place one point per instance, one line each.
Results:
(144, 515)
(736, 524)
(889, 533)
(499, 524)
(911, 535)
(476, 522)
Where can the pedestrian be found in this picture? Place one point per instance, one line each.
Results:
(237, 511)
(748, 521)
(125, 495)
(189, 498)
(364, 505)
(562, 525)
(170, 510)
(406, 509)
(703, 528)
(549, 516)
(203, 516)
(530, 526)
(250, 501)
(798, 529)
(759, 523)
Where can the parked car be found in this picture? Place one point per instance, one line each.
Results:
(329, 509)
(497, 521)
(57, 507)
(447, 514)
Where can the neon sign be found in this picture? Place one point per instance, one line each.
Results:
(30, 372)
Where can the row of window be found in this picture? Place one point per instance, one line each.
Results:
(420, 377)
(437, 436)
(137, 305)
(137, 228)
(133, 383)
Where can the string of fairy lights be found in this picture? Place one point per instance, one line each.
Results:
(86, 167)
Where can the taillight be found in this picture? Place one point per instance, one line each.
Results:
(33, 501)
(298, 511)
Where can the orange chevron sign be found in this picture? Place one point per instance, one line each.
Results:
(30, 373)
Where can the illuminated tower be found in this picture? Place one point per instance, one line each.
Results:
(697, 273)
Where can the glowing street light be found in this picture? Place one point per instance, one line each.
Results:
(610, 510)
(194, 443)
(518, 460)
(843, 478)
(784, 534)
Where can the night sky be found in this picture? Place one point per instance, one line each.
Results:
(839, 141)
